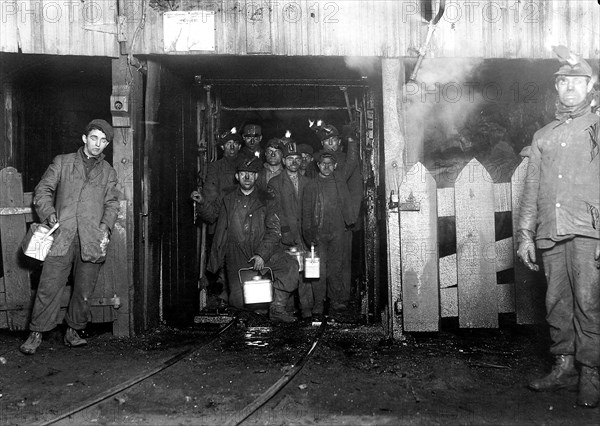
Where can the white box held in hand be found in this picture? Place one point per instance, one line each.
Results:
(38, 241)
(312, 265)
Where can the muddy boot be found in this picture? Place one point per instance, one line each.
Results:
(589, 387)
(563, 375)
(72, 338)
(277, 311)
(32, 343)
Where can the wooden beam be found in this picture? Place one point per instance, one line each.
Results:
(17, 285)
(7, 119)
(125, 141)
(392, 71)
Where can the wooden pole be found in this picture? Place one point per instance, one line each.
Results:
(392, 70)
(127, 139)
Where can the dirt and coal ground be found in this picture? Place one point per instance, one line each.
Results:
(354, 376)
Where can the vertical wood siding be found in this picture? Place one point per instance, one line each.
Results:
(486, 29)
(61, 27)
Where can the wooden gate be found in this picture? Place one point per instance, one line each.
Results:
(16, 293)
(463, 284)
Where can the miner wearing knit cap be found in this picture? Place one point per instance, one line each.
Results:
(78, 194)
(559, 215)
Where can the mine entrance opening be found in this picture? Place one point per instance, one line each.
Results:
(288, 105)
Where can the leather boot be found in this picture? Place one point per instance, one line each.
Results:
(72, 338)
(589, 387)
(32, 343)
(277, 311)
(563, 375)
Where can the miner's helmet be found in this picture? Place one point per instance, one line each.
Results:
(305, 148)
(290, 150)
(249, 165)
(231, 135)
(252, 129)
(571, 64)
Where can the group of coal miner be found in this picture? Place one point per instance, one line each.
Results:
(261, 204)
(264, 205)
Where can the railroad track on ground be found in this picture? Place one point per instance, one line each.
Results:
(236, 419)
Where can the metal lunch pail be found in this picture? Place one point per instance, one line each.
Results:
(257, 289)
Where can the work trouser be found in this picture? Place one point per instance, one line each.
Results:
(53, 280)
(284, 268)
(331, 283)
(573, 299)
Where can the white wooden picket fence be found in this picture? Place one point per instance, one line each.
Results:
(464, 284)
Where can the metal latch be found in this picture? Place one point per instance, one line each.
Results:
(410, 205)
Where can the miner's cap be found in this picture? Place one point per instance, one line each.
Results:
(326, 154)
(274, 143)
(252, 130)
(581, 68)
(102, 125)
(305, 148)
(291, 150)
(249, 165)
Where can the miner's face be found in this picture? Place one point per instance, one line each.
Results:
(246, 179)
(273, 156)
(572, 89)
(252, 141)
(231, 149)
(331, 144)
(94, 143)
(306, 160)
(326, 166)
(292, 162)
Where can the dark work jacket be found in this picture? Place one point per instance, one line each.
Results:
(220, 180)
(562, 186)
(289, 207)
(261, 223)
(347, 170)
(312, 208)
(80, 203)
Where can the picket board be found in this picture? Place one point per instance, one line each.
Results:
(474, 212)
(3, 314)
(17, 284)
(529, 286)
(419, 253)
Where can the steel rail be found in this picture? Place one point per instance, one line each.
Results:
(240, 416)
(134, 381)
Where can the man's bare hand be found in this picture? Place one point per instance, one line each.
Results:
(197, 197)
(52, 219)
(259, 262)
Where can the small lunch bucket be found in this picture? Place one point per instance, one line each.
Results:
(312, 265)
(38, 240)
(257, 288)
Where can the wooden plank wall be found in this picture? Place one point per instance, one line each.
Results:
(66, 27)
(16, 289)
(468, 287)
(388, 28)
